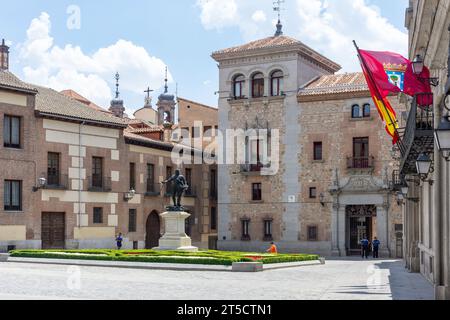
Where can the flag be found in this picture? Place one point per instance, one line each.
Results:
(387, 73)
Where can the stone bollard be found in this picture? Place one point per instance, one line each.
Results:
(4, 257)
(322, 260)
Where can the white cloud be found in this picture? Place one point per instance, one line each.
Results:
(327, 26)
(217, 14)
(69, 67)
(259, 16)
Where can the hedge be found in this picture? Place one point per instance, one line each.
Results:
(179, 257)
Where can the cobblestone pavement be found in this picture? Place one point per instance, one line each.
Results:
(336, 280)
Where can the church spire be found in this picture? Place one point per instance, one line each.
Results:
(117, 106)
(278, 7)
(117, 85)
(166, 87)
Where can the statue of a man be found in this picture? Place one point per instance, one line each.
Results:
(179, 186)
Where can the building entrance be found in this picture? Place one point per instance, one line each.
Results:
(361, 223)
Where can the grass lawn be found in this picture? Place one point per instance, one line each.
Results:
(208, 257)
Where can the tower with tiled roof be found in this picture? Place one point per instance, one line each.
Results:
(4, 56)
(117, 106)
(166, 106)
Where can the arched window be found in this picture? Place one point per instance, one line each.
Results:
(366, 110)
(258, 85)
(238, 86)
(356, 111)
(276, 81)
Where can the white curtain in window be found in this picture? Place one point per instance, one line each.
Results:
(7, 194)
(15, 193)
(15, 132)
(6, 130)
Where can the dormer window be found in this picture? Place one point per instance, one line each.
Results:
(258, 85)
(276, 83)
(238, 86)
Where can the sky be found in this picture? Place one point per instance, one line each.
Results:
(81, 44)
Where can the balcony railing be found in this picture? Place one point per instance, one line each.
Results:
(253, 168)
(57, 182)
(360, 162)
(397, 180)
(100, 184)
(153, 189)
(418, 135)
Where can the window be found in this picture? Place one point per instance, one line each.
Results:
(53, 170)
(132, 220)
(318, 151)
(356, 111)
(360, 153)
(207, 131)
(313, 233)
(258, 85)
(238, 86)
(150, 178)
(245, 229)
(213, 184)
(276, 83)
(268, 229)
(313, 193)
(97, 172)
(98, 215)
(366, 111)
(213, 218)
(132, 176)
(11, 132)
(256, 192)
(13, 195)
(255, 148)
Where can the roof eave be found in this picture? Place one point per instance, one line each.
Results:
(80, 120)
(18, 89)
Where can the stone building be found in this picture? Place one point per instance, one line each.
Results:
(426, 204)
(73, 175)
(326, 184)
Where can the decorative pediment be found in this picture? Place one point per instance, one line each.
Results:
(361, 184)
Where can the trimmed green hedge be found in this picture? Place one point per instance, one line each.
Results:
(205, 257)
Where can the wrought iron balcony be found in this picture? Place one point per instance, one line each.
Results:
(418, 136)
(57, 182)
(153, 189)
(99, 184)
(253, 168)
(360, 163)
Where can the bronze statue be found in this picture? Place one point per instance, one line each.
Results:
(179, 186)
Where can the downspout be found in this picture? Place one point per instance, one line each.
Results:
(79, 172)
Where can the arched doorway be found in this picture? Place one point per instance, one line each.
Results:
(153, 229)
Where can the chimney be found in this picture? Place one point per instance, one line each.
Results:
(4, 56)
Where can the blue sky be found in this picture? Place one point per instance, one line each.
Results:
(139, 39)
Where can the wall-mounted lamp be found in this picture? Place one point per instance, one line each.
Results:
(42, 182)
(418, 65)
(442, 137)
(424, 167)
(130, 195)
(322, 199)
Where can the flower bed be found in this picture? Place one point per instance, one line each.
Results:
(206, 257)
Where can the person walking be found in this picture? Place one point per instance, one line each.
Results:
(119, 241)
(365, 248)
(376, 246)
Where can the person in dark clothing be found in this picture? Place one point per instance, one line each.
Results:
(119, 241)
(365, 248)
(376, 246)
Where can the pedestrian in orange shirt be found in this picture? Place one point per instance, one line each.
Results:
(273, 249)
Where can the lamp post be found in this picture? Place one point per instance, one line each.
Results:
(423, 165)
(42, 182)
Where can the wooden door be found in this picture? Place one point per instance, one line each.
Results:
(53, 232)
(153, 229)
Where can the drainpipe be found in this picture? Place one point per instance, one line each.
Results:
(79, 172)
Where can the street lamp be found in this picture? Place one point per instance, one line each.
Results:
(423, 165)
(42, 182)
(405, 190)
(418, 65)
(442, 137)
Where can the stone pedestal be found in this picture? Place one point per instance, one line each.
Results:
(175, 237)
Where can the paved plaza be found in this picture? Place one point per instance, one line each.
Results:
(338, 279)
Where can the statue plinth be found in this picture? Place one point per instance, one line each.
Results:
(175, 237)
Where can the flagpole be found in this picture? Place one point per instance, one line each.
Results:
(363, 62)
